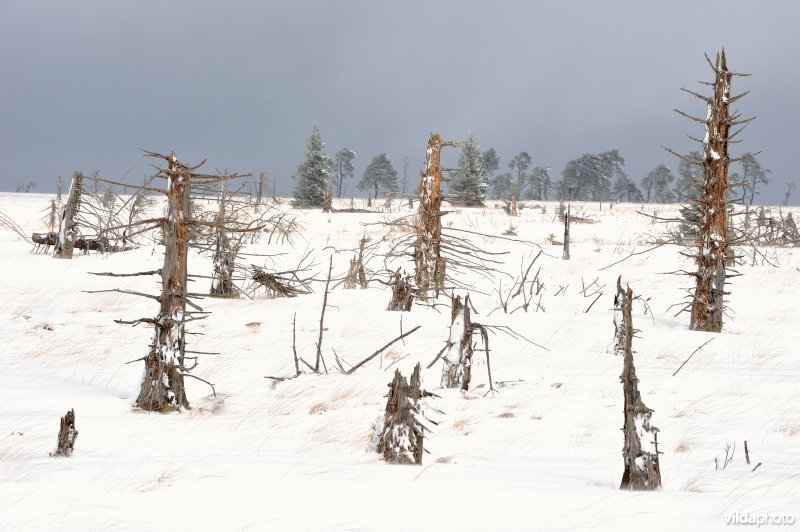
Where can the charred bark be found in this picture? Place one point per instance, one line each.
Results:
(402, 292)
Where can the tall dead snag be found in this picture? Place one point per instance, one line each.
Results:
(642, 470)
(707, 304)
(224, 257)
(67, 434)
(565, 253)
(430, 266)
(163, 385)
(457, 370)
(401, 441)
(68, 229)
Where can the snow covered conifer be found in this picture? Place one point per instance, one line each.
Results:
(313, 173)
(379, 175)
(468, 186)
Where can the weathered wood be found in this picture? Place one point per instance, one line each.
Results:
(458, 356)
(68, 229)
(402, 438)
(402, 292)
(382, 349)
(355, 274)
(67, 434)
(708, 303)
(641, 464)
(429, 265)
(163, 384)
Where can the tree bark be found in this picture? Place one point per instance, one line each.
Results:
(68, 229)
(708, 303)
(429, 274)
(163, 385)
(642, 470)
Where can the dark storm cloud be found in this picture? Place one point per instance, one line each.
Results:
(86, 84)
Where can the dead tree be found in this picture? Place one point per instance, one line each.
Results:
(457, 370)
(707, 305)
(565, 252)
(327, 204)
(67, 434)
(430, 266)
(402, 438)
(356, 274)
(642, 470)
(224, 257)
(402, 292)
(68, 230)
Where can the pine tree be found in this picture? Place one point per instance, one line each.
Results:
(491, 162)
(656, 185)
(521, 163)
(343, 168)
(379, 175)
(590, 177)
(624, 189)
(468, 186)
(313, 173)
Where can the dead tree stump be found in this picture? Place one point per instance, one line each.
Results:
(458, 355)
(355, 274)
(67, 434)
(642, 470)
(327, 203)
(402, 292)
(401, 441)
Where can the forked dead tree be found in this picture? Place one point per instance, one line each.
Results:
(402, 438)
(67, 434)
(356, 274)
(707, 305)
(642, 470)
(68, 230)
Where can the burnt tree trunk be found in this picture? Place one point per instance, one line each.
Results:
(565, 252)
(402, 438)
(708, 302)
(163, 384)
(642, 470)
(355, 274)
(67, 434)
(458, 354)
(68, 229)
(430, 267)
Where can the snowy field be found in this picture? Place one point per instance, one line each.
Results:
(542, 453)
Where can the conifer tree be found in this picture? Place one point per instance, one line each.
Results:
(379, 175)
(313, 173)
(468, 186)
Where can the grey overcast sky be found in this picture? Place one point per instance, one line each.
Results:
(86, 84)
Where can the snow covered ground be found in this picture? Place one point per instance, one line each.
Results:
(542, 453)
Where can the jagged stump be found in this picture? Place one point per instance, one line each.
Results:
(402, 438)
(67, 435)
(402, 292)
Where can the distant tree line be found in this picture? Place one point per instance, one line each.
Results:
(589, 177)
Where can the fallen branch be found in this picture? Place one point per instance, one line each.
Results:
(381, 350)
(690, 356)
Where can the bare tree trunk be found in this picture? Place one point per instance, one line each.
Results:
(224, 259)
(429, 264)
(327, 204)
(68, 230)
(565, 252)
(708, 302)
(402, 292)
(163, 385)
(67, 434)
(356, 275)
(642, 470)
